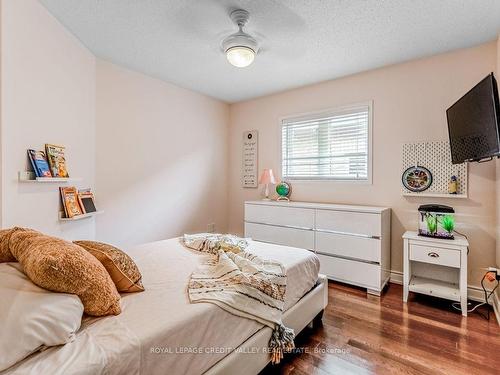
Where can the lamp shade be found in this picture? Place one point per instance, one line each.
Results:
(267, 177)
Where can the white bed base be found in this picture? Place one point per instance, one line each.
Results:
(251, 356)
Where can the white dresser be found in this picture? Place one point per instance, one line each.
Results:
(352, 242)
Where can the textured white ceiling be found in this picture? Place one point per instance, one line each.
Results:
(303, 41)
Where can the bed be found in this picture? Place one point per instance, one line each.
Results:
(159, 331)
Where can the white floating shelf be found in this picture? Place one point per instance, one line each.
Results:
(436, 288)
(79, 217)
(52, 179)
(437, 195)
(22, 178)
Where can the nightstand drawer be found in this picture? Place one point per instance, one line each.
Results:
(435, 255)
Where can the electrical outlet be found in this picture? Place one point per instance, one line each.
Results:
(496, 271)
(211, 228)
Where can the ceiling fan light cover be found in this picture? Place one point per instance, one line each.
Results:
(240, 56)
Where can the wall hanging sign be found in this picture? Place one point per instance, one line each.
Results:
(249, 169)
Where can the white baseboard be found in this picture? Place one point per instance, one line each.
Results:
(396, 277)
(474, 293)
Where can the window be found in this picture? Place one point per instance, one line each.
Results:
(333, 145)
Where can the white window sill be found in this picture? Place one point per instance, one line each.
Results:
(327, 181)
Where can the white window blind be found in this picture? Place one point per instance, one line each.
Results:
(333, 145)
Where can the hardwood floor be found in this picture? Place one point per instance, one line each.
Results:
(364, 334)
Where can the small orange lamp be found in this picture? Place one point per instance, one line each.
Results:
(266, 178)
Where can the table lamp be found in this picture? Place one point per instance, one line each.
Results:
(266, 178)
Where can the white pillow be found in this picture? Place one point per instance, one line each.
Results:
(32, 317)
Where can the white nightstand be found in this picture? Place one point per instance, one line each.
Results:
(436, 267)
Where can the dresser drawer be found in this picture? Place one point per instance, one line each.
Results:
(277, 215)
(363, 248)
(349, 271)
(349, 222)
(435, 255)
(279, 235)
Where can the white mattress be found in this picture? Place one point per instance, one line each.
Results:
(159, 331)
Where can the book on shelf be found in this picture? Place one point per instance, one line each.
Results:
(39, 163)
(56, 160)
(70, 202)
(63, 204)
(77, 202)
(86, 200)
(31, 158)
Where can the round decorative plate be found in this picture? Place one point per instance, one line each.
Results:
(283, 189)
(417, 179)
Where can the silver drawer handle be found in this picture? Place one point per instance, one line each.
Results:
(348, 234)
(432, 254)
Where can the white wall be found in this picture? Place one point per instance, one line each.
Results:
(1, 127)
(162, 150)
(498, 170)
(47, 96)
(162, 158)
(409, 104)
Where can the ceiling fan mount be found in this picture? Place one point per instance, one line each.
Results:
(239, 17)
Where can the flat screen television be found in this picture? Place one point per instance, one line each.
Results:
(473, 123)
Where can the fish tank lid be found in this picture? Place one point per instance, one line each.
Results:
(436, 208)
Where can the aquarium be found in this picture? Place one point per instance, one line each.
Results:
(436, 220)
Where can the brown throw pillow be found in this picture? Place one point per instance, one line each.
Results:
(122, 269)
(61, 266)
(5, 254)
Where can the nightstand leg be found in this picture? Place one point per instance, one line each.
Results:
(406, 272)
(463, 282)
(463, 306)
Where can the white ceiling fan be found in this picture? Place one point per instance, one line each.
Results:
(240, 48)
(245, 32)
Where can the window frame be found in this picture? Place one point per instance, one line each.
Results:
(326, 112)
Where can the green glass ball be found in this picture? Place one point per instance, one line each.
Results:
(283, 189)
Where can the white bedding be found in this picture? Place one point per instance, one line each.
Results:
(159, 331)
(32, 317)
